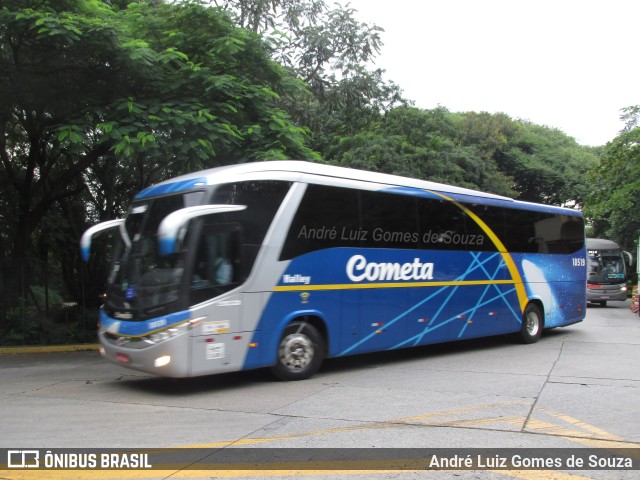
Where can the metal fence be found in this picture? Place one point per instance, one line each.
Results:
(42, 303)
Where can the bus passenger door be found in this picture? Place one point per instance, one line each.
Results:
(214, 274)
(214, 345)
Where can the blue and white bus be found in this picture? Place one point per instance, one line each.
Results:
(282, 264)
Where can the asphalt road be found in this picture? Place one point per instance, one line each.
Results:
(577, 387)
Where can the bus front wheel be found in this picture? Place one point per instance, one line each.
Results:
(300, 352)
(532, 324)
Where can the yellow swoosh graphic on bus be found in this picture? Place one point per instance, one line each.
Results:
(506, 256)
(516, 279)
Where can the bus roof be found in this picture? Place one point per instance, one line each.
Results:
(601, 244)
(309, 172)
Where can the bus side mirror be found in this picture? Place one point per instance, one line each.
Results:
(629, 258)
(169, 229)
(85, 241)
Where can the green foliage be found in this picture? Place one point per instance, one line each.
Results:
(310, 38)
(615, 189)
(349, 106)
(489, 152)
(100, 99)
(143, 92)
(418, 143)
(326, 48)
(548, 166)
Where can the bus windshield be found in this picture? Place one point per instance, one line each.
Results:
(606, 266)
(142, 283)
(217, 251)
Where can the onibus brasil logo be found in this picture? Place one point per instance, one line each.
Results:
(22, 459)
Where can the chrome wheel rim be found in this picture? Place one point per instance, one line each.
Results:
(296, 351)
(532, 324)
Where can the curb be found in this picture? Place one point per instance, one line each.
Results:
(47, 349)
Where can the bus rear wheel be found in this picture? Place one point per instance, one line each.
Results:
(532, 324)
(300, 352)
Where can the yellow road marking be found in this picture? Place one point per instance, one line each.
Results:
(458, 411)
(540, 474)
(582, 425)
(575, 432)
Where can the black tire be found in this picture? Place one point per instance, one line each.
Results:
(532, 324)
(300, 352)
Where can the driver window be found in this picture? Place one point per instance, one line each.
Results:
(218, 266)
(214, 265)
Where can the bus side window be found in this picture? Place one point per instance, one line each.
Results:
(219, 270)
(214, 263)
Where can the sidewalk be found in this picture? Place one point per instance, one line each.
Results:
(47, 349)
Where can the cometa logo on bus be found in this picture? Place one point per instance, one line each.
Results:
(359, 269)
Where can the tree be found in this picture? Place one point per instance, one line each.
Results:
(615, 189)
(310, 38)
(99, 99)
(490, 134)
(630, 116)
(327, 49)
(428, 144)
(547, 165)
(348, 107)
(117, 98)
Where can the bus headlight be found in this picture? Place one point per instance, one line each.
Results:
(162, 361)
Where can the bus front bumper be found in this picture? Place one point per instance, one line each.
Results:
(168, 359)
(603, 293)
